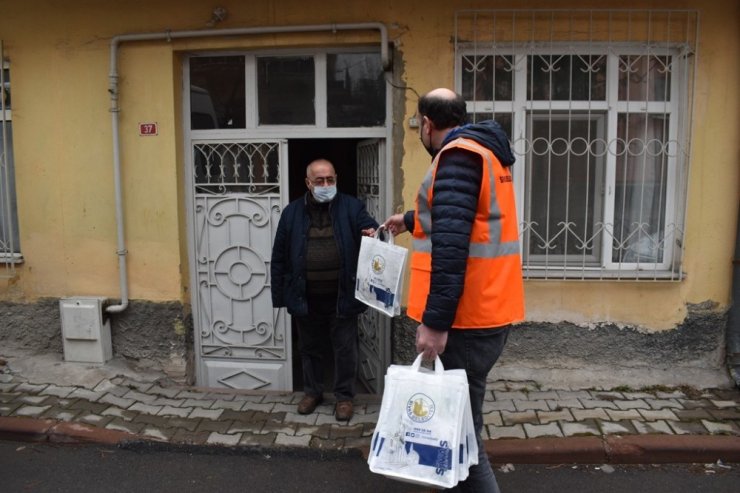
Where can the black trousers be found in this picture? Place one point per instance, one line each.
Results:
(476, 351)
(320, 324)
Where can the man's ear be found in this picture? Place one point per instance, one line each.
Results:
(429, 123)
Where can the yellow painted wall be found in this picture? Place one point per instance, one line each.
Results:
(63, 160)
(59, 54)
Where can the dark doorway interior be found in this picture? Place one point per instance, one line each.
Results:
(341, 152)
(343, 155)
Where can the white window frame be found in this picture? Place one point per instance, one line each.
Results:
(521, 108)
(319, 129)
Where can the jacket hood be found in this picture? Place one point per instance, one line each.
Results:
(489, 134)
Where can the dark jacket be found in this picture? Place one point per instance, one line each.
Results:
(455, 200)
(288, 267)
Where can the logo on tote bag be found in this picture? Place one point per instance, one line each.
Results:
(420, 408)
(378, 264)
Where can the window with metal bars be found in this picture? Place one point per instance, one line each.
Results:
(9, 239)
(597, 105)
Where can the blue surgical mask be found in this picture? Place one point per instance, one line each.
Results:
(324, 194)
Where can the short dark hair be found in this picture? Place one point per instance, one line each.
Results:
(443, 112)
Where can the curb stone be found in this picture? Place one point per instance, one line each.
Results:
(612, 449)
(48, 430)
(616, 449)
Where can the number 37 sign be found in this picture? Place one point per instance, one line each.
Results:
(147, 129)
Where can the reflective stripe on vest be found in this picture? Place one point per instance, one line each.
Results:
(491, 249)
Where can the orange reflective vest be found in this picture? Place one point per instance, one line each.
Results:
(493, 294)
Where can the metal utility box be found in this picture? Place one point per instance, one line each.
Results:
(85, 330)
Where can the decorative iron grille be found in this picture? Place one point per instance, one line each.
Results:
(597, 104)
(373, 327)
(234, 167)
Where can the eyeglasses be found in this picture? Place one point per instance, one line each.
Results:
(324, 180)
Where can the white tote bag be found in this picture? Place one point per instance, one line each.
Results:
(423, 431)
(380, 273)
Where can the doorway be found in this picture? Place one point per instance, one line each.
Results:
(342, 153)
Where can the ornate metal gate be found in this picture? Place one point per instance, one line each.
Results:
(241, 341)
(375, 328)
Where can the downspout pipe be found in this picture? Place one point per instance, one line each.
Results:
(733, 318)
(116, 41)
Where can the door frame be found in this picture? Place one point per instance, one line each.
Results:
(286, 132)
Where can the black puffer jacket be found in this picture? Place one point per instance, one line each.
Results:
(455, 200)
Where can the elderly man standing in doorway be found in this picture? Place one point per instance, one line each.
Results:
(314, 264)
(466, 281)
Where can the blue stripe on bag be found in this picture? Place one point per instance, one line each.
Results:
(380, 447)
(429, 455)
(383, 295)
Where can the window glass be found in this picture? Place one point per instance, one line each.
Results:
(564, 172)
(217, 92)
(355, 90)
(644, 78)
(503, 119)
(486, 80)
(641, 182)
(286, 89)
(9, 238)
(566, 77)
(6, 86)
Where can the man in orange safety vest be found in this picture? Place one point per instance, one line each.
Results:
(466, 284)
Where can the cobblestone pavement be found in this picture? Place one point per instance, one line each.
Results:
(512, 410)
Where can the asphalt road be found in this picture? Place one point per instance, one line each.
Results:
(34, 467)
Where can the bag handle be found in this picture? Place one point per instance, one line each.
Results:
(388, 234)
(439, 369)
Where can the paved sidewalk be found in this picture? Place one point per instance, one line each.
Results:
(523, 423)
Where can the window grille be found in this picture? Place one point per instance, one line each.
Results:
(9, 241)
(597, 104)
(222, 168)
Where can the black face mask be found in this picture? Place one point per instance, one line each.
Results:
(429, 148)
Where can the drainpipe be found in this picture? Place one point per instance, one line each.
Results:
(168, 36)
(733, 318)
